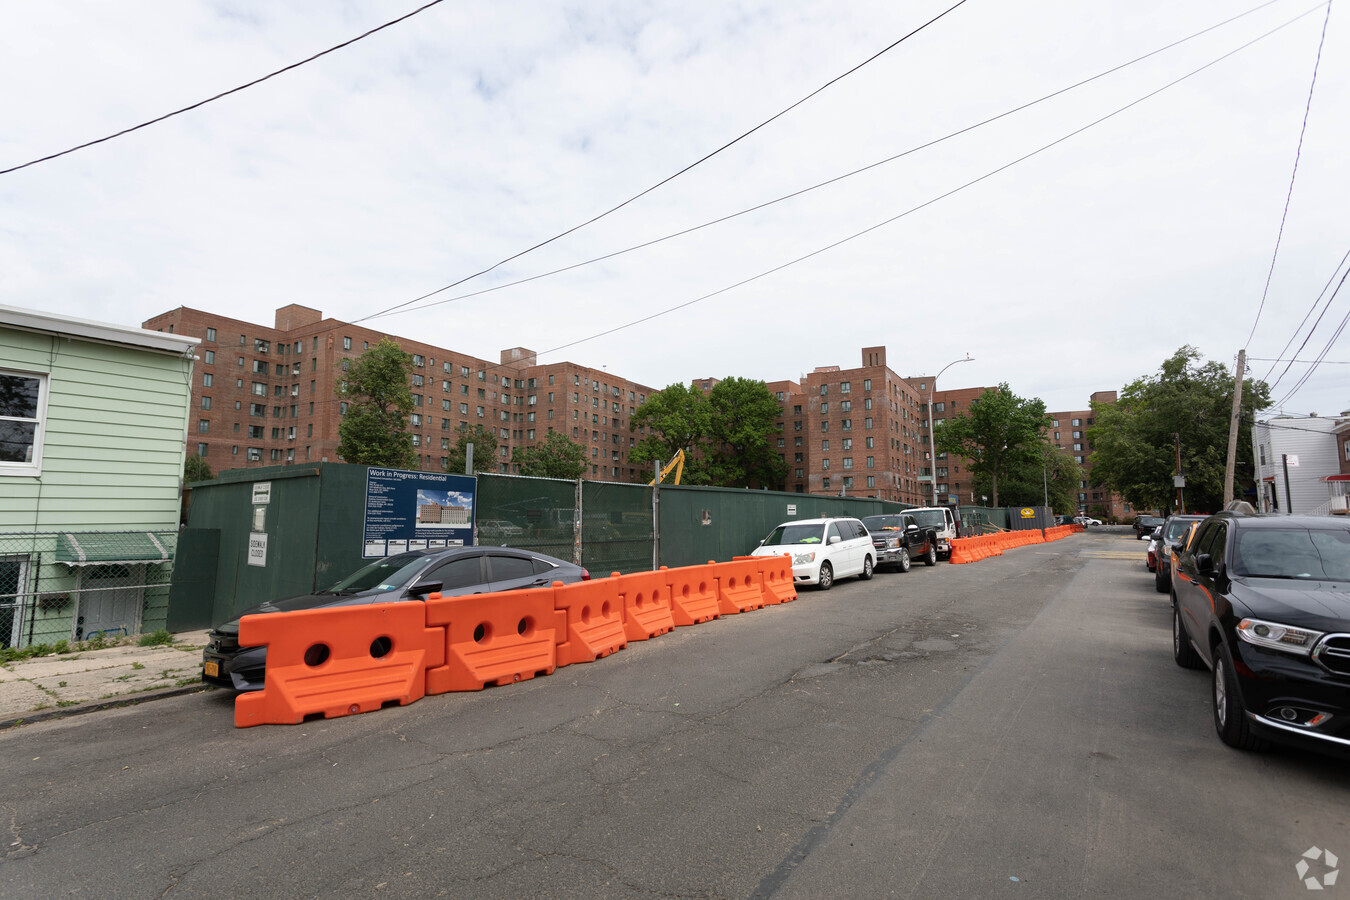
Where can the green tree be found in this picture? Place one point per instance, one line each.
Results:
(1027, 479)
(675, 418)
(1001, 433)
(379, 402)
(196, 469)
(742, 423)
(1134, 440)
(556, 456)
(484, 451)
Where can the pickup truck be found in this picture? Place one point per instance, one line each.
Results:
(898, 539)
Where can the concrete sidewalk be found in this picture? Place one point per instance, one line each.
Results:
(65, 684)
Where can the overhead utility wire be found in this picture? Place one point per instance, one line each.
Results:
(670, 178)
(200, 103)
(1306, 315)
(927, 203)
(1292, 178)
(405, 307)
(1331, 342)
(1325, 362)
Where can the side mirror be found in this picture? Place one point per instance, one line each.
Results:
(834, 539)
(761, 543)
(1204, 563)
(426, 587)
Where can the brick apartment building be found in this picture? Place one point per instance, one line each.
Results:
(1068, 431)
(268, 395)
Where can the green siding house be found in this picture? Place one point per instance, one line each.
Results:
(93, 421)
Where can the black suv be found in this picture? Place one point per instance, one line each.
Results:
(1144, 525)
(898, 539)
(1264, 602)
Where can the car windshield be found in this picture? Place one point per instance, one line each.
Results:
(796, 534)
(881, 523)
(383, 574)
(1176, 530)
(1321, 554)
(931, 517)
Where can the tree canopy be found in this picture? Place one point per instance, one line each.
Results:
(1001, 433)
(484, 450)
(195, 468)
(1029, 479)
(556, 456)
(379, 401)
(727, 434)
(1134, 439)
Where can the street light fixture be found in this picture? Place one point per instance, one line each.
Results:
(932, 444)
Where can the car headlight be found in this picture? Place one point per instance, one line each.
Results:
(1275, 636)
(802, 559)
(892, 543)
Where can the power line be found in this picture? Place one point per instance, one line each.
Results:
(927, 203)
(200, 103)
(670, 178)
(1325, 350)
(1312, 330)
(406, 306)
(1325, 362)
(1293, 176)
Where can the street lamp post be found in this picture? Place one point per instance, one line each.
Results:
(932, 443)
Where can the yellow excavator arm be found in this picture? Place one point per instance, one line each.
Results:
(676, 464)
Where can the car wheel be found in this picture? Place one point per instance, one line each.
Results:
(904, 560)
(1182, 651)
(1159, 582)
(826, 579)
(867, 569)
(930, 558)
(1230, 716)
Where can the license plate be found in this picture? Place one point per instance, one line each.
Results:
(213, 669)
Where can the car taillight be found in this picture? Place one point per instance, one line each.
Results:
(585, 575)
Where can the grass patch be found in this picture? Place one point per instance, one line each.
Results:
(64, 703)
(156, 638)
(138, 666)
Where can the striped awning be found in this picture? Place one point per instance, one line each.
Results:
(107, 548)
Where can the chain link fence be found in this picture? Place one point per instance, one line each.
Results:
(83, 585)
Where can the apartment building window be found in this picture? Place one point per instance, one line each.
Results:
(342, 408)
(825, 463)
(824, 408)
(846, 424)
(208, 380)
(417, 380)
(798, 473)
(260, 366)
(1077, 422)
(825, 482)
(871, 464)
(206, 403)
(203, 426)
(276, 433)
(210, 357)
(824, 390)
(416, 419)
(796, 410)
(417, 399)
(419, 360)
(824, 426)
(871, 481)
(309, 430)
(259, 389)
(480, 412)
(846, 406)
(257, 409)
(845, 387)
(201, 449)
(1077, 435)
(869, 443)
(346, 343)
(275, 456)
(867, 384)
(867, 403)
(261, 346)
(211, 334)
(254, 454)
(848, 462)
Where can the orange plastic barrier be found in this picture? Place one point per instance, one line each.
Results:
(338, 662)
(647, 610)
(962, 552)
(776, 580)
(594, 620)
(738, 587)
(495, 638)
(693, 595)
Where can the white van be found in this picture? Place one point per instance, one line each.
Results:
(944, 520)
(822, 549)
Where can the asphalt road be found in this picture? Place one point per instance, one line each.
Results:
(1011, 727)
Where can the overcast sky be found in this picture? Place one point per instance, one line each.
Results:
(474, 130)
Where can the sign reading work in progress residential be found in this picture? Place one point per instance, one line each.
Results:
(408, 510)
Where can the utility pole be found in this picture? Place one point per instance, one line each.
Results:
(1233, 428)
(1180, 508)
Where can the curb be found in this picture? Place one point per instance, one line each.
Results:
(62, 712)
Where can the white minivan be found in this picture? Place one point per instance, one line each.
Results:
(822, 549)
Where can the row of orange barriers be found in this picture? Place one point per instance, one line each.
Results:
(355, 659)
(983, 546)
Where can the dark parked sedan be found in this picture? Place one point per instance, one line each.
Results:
(406, 576)
(1264, 602)
(1173, 531)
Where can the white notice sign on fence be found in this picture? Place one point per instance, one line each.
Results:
(257, 549)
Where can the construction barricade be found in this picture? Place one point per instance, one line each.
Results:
(594, 620)
(647, 610)
(495, 638)
(693, 595)
(738, 585)
(776, 580)
(338, 662)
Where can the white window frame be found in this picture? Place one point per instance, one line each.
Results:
(33, 467)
